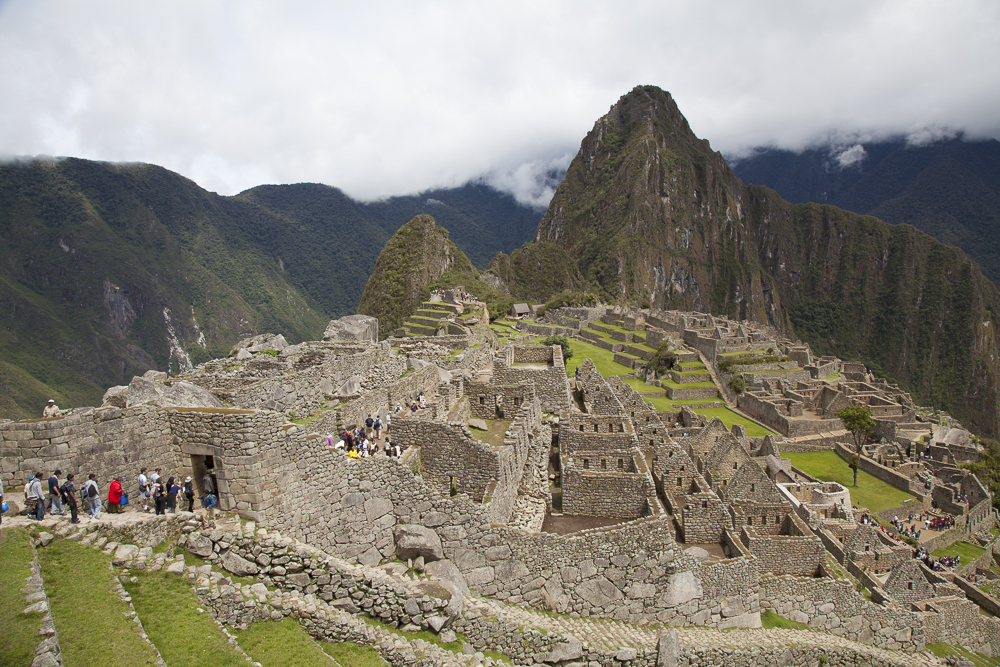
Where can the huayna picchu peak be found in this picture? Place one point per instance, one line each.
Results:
(649, 215)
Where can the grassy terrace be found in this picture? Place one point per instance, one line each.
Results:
(871, 492)
(18, 631)
(968, 552)
(88, 614)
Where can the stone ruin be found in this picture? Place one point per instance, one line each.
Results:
(714, 527)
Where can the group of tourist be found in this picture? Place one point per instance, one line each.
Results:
(937, 564)
(939, 523)
(57, 495)
(362, 442)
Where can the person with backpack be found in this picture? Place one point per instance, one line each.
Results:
(159, 497)
(378, 426)
(189, 493)
(369, 423)
(69, 497)
(93, 496)
(34, 497)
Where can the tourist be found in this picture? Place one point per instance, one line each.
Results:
(69, 495)
(51, 409)
(207, 484)
(55, 498)
(34, 496)
(378, 426)
(159, 497)
(172, 490)
(1, 500)
(189, 493)
(388, 419)
(155, 476)
(115, 496)
(144, 490)
(369, 423)
(93, 496)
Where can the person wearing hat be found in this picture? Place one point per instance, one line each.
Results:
(189, 493)
(51, 410)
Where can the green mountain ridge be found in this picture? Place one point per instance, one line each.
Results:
(949, 189)
(109, 270)
(649, 215)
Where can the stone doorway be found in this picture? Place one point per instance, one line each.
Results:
(200, 464)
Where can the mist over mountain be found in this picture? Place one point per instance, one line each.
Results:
(948, 188)
(108, 270)
(650, 215)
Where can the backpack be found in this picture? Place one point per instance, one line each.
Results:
(92, 491)
(368, 422)
(64, 492)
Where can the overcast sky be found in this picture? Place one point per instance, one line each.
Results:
(396, 97)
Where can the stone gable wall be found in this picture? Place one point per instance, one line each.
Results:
(621, 494)
(798, 555)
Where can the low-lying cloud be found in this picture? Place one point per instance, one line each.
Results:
(398, 97)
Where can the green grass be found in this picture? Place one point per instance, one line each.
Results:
(687, 385)
(353, 655)
(968, 552)
(285, 643)
(871, 492)
(941, 650)
(19, 634)
(88, 614)
(493, 436)
(728, 417)
(772, 620)
(168, 608)
(603, 359)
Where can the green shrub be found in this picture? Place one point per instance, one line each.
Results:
(562, 342)
(738, 384)
(270, 352)
(662, 360)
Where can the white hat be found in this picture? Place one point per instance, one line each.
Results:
(51, 401)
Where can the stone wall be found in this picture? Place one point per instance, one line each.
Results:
(958, 621)
(109, 442)
(833, 605)
(887, 475)
(550, 383)
(797, 553)
(609, 492)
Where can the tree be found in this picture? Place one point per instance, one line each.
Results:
(858, 420)
(562, 342)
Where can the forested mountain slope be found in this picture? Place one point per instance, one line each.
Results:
(949, 189)
(108, 270)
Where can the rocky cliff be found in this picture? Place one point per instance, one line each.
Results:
(419, 254)
(649, 215)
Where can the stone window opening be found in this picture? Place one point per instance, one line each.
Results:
(752, 488)
(586, 464)
(621, 464)
(650, 442)
(581, 427)
(749, 520)
(909, 585)
(482, 400)
(680, 481)
(763, 520)
(704, 504)
(597, 427)
(604, 464)
(621, 427)
(453, 487)
(736, 465)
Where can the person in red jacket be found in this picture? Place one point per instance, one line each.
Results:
(115, 497)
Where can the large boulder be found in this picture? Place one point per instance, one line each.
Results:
(260, 342)
(199, 545)
(238, 565)
(413, 541)
(352, 329)
(116, 396)
(179, 394)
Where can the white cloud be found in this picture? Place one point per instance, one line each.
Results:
(397, 97)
